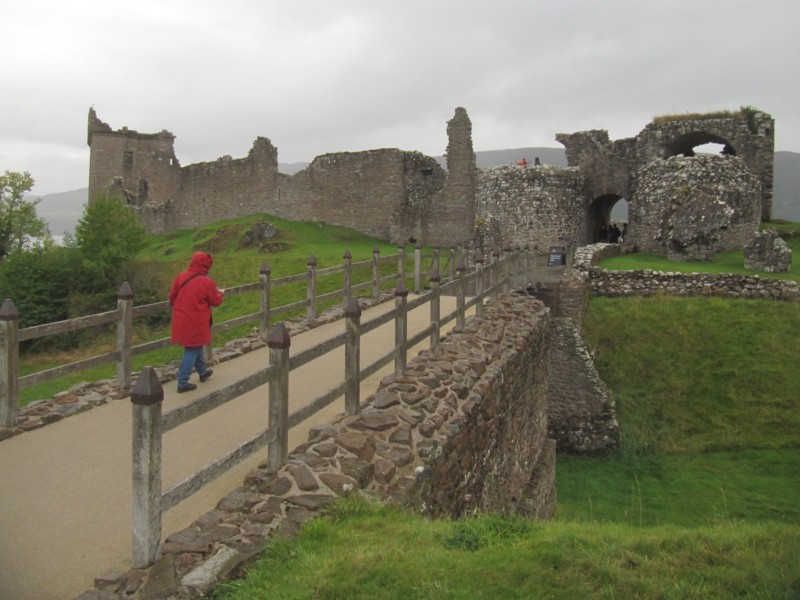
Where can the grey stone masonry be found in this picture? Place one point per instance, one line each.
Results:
(537, 205)
(644, 282)
(767, 252)
(694, 206)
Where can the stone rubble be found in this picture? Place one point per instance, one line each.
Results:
(767, 252)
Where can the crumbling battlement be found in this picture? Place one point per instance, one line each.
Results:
(401, 195)
(388, 193)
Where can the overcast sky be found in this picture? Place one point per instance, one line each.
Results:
(346, 75)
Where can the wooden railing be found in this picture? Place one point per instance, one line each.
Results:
(11, 335)
(502, 274)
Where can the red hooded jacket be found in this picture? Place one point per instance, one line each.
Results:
(191, 304)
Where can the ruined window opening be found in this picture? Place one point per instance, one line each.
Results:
(700, 142)
(128, 158)
(427, 171)
(713, 148)
(143, 189)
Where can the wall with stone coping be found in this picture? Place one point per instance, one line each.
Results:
(463, 429)
(644, 282)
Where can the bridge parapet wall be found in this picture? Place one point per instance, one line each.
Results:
(465, 428)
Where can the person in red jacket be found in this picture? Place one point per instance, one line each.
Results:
(192, 295)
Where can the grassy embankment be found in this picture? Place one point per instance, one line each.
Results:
(702, 501)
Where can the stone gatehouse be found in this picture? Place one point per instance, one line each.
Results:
(676, 200)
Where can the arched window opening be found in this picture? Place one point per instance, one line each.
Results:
(700, 142)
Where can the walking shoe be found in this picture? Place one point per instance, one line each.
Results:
(187, 388)
(204, 377)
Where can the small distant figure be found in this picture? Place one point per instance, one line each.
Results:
(624, 234)
(522, 163)
(613, 234)
(536, 161)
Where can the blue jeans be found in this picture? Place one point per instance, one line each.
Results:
(192, 359)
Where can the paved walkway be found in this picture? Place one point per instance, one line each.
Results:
(66, 488)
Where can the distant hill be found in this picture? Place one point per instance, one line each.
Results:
(63, 210)
(786, 191)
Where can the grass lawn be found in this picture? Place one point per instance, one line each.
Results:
(702, 500)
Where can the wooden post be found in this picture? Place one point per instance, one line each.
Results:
(479, 282)
(400, 327)
(436, 260)
(452, 263)
(460, 294)
(435, 307)
(311, 290)
(401, 264)
(376, 272)
(348, 285)
(352, 357)
(124, 336)
(266, 280)
(9, 364)
(278, 449)
(417, 268)
(146, 399)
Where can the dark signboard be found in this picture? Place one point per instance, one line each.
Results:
(558, 256)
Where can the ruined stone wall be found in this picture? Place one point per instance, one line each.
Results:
(582, 414)
(609, 166)
(612, 168)
(135, 166)
(535, 205)
(750, 135)
(390, 194)
(221, 189)
(718, 193)
(384, 193)
(452, 218)
(644, 282)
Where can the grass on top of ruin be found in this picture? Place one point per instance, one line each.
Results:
(701, 501)
(724, 262)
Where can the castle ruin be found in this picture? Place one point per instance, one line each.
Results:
(679, 203)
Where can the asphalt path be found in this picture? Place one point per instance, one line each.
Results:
(65, 489)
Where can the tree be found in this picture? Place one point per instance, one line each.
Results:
(107, 236)
(39, 282)
(20, 226)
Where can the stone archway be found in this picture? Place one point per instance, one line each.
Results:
(599, 217)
